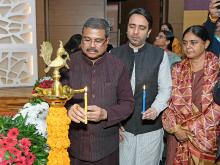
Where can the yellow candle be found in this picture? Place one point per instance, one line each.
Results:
(85, 104)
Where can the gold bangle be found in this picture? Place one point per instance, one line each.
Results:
(213, 18)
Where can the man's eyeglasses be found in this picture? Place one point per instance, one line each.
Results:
(97, 42)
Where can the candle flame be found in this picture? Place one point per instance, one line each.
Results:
(144, 87)
(85, 89)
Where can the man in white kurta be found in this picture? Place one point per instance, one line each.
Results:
(142, 134)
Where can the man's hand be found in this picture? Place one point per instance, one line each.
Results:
(96, 113)
(150, 114)
(76, 113)
(214, 12)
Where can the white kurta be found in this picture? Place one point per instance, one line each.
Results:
(147, 148)
(142, 149)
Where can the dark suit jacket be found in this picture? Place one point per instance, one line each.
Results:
(216, 97)
(216, 92)
(218, 151)
(214, 43)
(147, 64)
(109, 88)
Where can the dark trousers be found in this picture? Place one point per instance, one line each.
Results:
(112, 159)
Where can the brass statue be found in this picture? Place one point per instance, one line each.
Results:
(59, 61)
(58, 94)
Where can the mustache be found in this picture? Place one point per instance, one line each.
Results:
(92, 49)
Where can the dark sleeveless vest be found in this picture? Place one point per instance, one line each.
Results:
(147, 64)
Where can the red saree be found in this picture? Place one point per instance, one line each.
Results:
(200, 148)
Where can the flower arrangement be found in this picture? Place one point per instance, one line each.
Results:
(57, 124)
(44, 82)
(23, 137)
(39, 113)
(36, 112)
(20, 144)
(15, 150)
(37, 109)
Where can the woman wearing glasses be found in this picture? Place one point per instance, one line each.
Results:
(164, 40)
(176, 45)
(192, 116)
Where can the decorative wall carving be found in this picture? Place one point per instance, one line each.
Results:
(18, 57)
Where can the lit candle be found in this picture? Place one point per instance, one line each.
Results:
(144, 99)
(85, 104)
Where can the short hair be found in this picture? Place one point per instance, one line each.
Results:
(170, 27)
(199, 31)
(144, 13)
(73, 43)
(98, 23)
(170, 37)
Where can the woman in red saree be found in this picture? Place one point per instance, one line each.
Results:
(192, 116)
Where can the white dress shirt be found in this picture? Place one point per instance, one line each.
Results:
(164, 85)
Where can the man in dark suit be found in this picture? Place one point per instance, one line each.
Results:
(110, 98)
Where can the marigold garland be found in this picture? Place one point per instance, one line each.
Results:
(58, 140)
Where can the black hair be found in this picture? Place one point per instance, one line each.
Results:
(73, 43)
(170, 27)
(198, 30)
(98, 23)
(144, 13)
(170, 37)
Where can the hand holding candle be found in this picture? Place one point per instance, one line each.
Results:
(150, 114)
(144, 99)
(85, 104)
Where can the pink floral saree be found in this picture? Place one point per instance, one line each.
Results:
(200, 148)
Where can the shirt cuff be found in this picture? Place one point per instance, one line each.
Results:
(158, 109)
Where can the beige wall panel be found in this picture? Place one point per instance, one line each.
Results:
(40, 21)
(63, 33)
(175, 16)
(194, 17)
(74, 12)
(74, 3)
(40, 39)
(76, 16)
(178, 30)
(40, 11)
(67, 18)
(40, 34)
